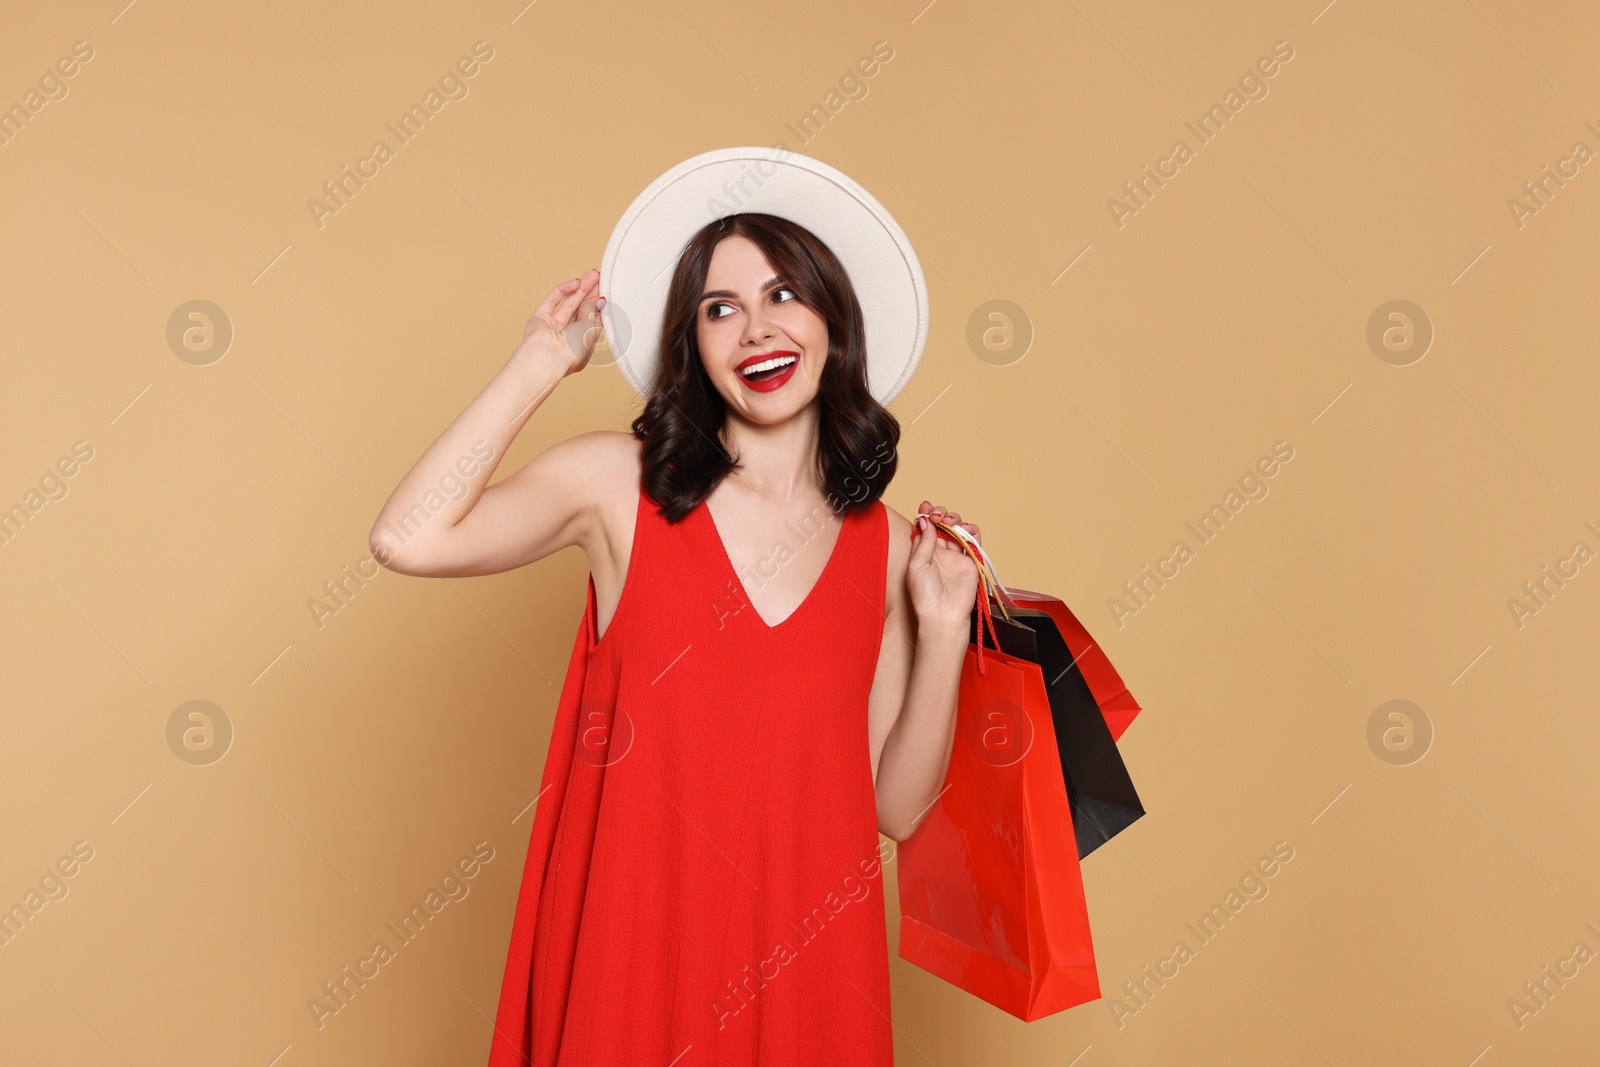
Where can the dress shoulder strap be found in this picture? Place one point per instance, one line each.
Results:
(867, 564)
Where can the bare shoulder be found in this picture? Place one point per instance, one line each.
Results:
(611, 462)
(611, 455)
(899, 559)
(899, 537)
(614, 463)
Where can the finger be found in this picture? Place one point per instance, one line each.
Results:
(590, 324)
(572, 305)
(568, 305)
(549, 302)
(589, 310)
(923, 548)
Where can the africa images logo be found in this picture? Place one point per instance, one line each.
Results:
(1252, 86)
(453, 85)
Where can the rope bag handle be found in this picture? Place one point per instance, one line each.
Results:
(989, 587)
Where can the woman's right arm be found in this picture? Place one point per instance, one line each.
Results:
(442, 522)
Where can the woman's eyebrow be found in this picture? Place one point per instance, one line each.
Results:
(729, 293)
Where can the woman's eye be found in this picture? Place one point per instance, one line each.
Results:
(711, 309)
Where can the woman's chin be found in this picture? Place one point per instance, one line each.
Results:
(772, 409)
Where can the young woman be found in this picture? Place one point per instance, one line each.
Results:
(764, 679)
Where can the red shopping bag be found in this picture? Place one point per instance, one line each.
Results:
(1086, 698)
(991, 892)
(1116, 703)
(991, 895)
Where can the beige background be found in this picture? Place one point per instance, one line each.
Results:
(372, 752)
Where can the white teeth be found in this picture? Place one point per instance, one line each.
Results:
(776, 361)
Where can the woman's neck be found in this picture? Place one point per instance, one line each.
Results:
(776, 462)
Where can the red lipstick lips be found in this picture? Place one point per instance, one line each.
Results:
(773, 378)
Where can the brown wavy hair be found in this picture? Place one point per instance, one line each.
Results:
(684, 415)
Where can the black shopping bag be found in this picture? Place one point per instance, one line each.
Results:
(1101, 794)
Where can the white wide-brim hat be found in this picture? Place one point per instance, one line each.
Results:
(637, 269)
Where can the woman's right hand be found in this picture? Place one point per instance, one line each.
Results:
(564, 329)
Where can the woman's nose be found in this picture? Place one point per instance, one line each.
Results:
(757, 328)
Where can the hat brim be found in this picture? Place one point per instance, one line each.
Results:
(637, 268)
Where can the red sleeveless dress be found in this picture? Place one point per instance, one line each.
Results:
(703, 886)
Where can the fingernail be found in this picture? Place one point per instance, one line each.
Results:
(600, 303)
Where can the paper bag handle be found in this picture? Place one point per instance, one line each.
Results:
(989, 587)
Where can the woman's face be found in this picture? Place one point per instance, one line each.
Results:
(748, 318)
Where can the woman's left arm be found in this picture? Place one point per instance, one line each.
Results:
(912, 707)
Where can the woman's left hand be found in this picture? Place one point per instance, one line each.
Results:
(941, 579)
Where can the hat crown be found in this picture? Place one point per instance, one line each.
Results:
(641, 256)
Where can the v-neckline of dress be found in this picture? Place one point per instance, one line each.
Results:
(727, 562)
